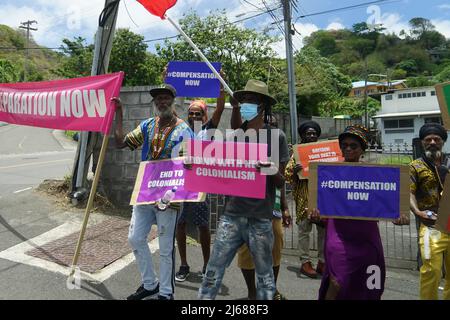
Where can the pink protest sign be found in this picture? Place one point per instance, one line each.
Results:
(82, 104)
(154, 178)
(226, 168)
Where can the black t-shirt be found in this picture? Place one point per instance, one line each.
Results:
(260, 208)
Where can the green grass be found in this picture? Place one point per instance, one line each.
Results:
(396, 159)
(70, 133)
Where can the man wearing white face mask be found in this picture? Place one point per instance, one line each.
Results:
(248, 220)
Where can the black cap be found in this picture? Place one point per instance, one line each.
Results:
(163, 88)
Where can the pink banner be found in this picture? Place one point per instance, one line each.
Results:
(81, 104)
(226, 168)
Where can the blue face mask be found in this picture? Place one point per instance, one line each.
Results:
(249, 111)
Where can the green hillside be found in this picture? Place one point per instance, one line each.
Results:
(42, 62)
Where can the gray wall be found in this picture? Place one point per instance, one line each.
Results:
(120, 166)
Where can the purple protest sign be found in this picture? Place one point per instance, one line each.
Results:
(156, 177)
(364, 192)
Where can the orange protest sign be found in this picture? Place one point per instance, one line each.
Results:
(324, 151)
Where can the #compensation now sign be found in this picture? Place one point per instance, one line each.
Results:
(82, 104)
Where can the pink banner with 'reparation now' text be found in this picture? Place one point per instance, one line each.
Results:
(81, 104)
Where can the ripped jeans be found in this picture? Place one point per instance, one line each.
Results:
(232, 232)
(144, 216)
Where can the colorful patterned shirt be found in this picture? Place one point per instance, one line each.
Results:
(299, 190)
(144, 133)
(426, 184)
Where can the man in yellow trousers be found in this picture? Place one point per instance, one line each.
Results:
(427, 180)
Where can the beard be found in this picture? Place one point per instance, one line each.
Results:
(165, 113)
(433, 154)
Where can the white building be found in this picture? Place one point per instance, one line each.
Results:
(404, 111)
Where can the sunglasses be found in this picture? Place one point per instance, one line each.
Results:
(352, 146)
(195, 113)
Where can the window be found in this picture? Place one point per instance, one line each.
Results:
(433, 119)
(409, 95)
(400, 95)
(433, 93)
(414, 94)
(399, 124)
(388, 97)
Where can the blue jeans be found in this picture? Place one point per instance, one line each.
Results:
(144, 216)
(232, 232)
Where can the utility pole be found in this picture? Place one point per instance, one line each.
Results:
(26, 25)
(288, 30)
(102, 52)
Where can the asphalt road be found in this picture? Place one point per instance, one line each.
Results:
(30, 155)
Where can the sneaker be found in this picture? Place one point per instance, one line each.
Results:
(182, 274)
(308, 270)
(160, 297)
(142, 293)
(278, 296)
(320, 269)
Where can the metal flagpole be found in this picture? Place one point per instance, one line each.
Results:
(197, 50)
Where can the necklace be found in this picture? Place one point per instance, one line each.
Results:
(160, 136)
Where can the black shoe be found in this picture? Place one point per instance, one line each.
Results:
(182, 274)
(160, 297)
(142, 293)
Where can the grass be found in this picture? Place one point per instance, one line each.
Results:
(396, 159)
(70, 133)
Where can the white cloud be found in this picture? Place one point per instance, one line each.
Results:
(305, 30)
(443, 26)
(393, 23)
(335, 26)
(444, 6)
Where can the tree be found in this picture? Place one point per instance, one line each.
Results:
(129, 54)
(444, 75)
(319, 83)
(323, 41)
(244, 53)
(419, 26)
(8, 72)
(78, 61)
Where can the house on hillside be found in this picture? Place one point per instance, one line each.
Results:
(375, 88)
(404, 111)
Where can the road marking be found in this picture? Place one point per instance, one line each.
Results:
(21, 142)
(17, 254)
(35, 163)
(22, 190)
(35, 154)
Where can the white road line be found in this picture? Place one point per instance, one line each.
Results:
(17, 254)
(21, 142)
(35, 163)
(22, 190)
(34, 154)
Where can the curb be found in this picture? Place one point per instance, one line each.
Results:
(65, 142)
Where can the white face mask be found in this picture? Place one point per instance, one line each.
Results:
(249, 111)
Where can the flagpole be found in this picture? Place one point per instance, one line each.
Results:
(227, 88)
(89, 205)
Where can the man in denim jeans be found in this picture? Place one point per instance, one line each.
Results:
(159, 137)
(248, 220)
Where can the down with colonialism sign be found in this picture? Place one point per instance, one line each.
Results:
(359, 191)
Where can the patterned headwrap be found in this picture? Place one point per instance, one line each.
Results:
(433, 128)
(356, 131)
(203, 106)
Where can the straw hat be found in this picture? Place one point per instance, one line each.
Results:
(255, 86)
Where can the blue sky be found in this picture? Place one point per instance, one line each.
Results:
(58, 19)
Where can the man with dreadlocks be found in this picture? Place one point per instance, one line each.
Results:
(248, 220)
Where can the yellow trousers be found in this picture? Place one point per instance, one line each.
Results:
(434, 246)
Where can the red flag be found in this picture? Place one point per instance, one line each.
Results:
(158, 7)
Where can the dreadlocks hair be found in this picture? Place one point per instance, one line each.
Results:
(267, 113)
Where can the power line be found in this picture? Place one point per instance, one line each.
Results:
(227, 24)
(344, 8)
